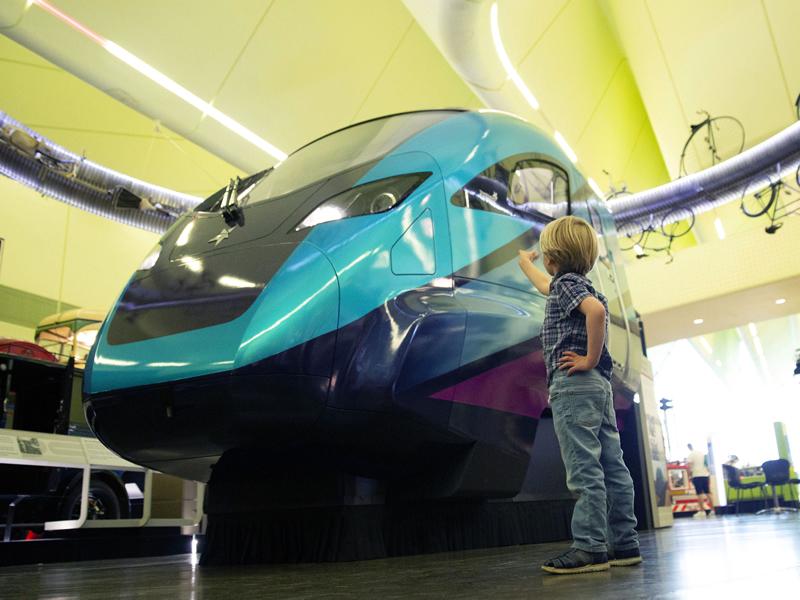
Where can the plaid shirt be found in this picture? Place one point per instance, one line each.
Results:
(564, 325)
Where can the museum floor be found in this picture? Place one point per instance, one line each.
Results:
(724, 557)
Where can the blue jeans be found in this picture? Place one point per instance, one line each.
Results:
(586, 428)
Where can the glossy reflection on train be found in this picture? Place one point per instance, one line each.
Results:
(358, 306)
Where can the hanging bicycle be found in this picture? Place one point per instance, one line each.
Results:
(616, 192)
(777, 200)
(719, 138)
(674, 224)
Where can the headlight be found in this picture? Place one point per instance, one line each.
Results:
(367, 199)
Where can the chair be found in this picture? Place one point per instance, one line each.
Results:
(793, 489)
(776, 472)
(734, 479)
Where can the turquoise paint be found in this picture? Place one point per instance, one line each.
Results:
(468, 143)
(180, 356)
(498, 318)
(414, 253)
(300, 303)
(360, 247)
(303, 294)
(90, 384)
(359, 251)
(457, 149)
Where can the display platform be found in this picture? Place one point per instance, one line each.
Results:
(346, 533)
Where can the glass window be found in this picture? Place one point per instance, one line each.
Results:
(332, 154)
(343, 150)
(516, 186)
(534, 182)
(486, 191)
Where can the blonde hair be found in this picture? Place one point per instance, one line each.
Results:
(571, 243)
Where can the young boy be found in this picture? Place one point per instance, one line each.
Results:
(579, 373)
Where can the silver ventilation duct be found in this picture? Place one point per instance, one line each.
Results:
(27, 157)
(750, 171)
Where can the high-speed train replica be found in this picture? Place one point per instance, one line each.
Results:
(359, 306)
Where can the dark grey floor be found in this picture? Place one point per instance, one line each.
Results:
(755, 557)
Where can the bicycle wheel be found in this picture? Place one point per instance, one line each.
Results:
(714, 140)
(759, 203)
(677, 222)
(630, 241)
(618, 194)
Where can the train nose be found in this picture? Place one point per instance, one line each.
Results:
(202, 315)
(202, 358)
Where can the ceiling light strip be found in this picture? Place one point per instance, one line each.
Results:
(165, 82)
(77, 26)
(506, 62)
(515, 77)
(720, 229)
(593, 184)
(565, 147)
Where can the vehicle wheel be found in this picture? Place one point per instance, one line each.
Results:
(677, 222)
(760, 202)
(629, 241)
(715, 139)
(103, 502)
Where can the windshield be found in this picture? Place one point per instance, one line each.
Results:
(342, 150)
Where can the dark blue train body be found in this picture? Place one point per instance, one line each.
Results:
(361, 307)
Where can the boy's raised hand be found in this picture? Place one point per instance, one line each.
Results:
(537, 277)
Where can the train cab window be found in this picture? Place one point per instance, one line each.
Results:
(517, 186)
(486, 191)
(537, 185)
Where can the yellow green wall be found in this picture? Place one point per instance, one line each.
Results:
(571, 60)
(57, 257)
(60, 253)
(91, 122)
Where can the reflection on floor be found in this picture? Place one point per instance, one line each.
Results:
(724, 557)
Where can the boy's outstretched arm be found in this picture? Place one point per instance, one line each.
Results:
(595, 314)
(539, 279)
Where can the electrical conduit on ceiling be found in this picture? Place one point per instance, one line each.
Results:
(72, 179)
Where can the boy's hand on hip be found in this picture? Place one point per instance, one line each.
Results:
(574, 362)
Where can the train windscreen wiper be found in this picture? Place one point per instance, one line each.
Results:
(231, 211)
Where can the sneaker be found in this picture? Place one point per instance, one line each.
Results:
(625, 558)
(577, 561)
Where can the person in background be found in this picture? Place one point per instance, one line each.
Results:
(733, 460)
(698, 470)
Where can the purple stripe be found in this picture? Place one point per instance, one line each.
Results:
(518, 387)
